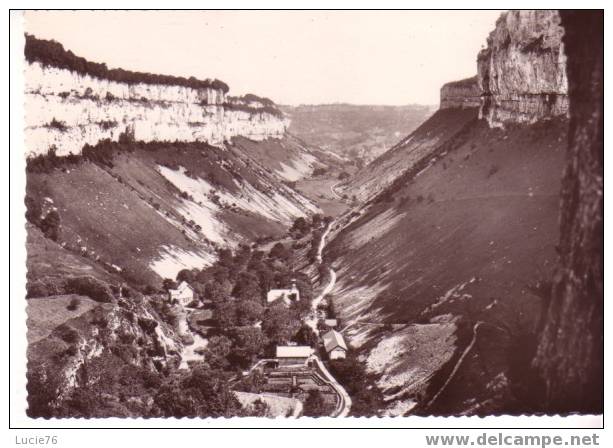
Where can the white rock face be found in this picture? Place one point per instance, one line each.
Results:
(522, 72)
(68, 110)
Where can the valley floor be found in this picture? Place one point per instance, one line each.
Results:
(322, 192)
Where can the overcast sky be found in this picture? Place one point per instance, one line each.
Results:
(368, 57)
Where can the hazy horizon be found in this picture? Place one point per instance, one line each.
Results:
(293, 57)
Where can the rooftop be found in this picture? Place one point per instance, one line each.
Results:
(333, 339)
(294, 351)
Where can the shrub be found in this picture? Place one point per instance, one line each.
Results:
(50, 225)
(67, 334)
(37, 289)
(493, 170)
(74, 304)
(90, 287)
(148, 325)
(59, 125)
(315, 405)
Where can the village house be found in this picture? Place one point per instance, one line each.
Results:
(293, 354)
(332, 323)
(335, 346)
(288, 295)
(184, 294)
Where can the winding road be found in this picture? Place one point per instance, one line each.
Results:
(311, 320)
(344, 405)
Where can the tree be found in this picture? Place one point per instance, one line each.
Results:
(300, 226)
(169, 283)
(249, 342)
(248, 312)
(279, 324)
(315, 404)
(306, 336)
(185, 275)
(217, 291)
(217, 351)
(203, 393)
(279, 251)
(247, 287)
(50, 225)
(224, 313)
(259, 408)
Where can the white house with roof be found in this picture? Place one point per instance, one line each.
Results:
(184, 294)
(332, 323)
(287, 295)
(335, 346)
(293, 354)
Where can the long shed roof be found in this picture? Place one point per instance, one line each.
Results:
(294, 351)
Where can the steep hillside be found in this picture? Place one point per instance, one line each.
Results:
(444, 126)
(442, 275)
(358, 134)
(150, 210)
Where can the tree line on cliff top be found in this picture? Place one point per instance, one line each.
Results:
(51, 53)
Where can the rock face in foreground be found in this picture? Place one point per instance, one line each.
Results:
(522, 72)
(461, 94)
(570, 353)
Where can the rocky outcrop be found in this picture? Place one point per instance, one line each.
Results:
(570, 353)
(461, 94)
(522, 72)
(69, 103)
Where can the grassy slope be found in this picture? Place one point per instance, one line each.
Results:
(487, 211)
(290, 158)
(441, 127)
(319, 190)
(111, 212)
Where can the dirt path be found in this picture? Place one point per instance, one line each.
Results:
(344, 405)
(333, 190)
(311, 319)
(458, 364)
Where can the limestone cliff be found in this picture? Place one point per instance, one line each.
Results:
(68, 107)
(461, 94)
(522, 72)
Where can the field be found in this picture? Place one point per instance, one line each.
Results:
(319, 190)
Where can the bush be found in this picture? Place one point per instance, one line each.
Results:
(90, 287)
(148, 325)
(59, 125)
(50, 225)
(493, 170)
(74, 304)
(315, 405)
(67, 334)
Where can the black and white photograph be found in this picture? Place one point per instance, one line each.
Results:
(287, 214)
